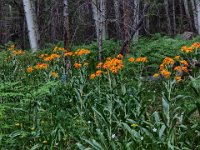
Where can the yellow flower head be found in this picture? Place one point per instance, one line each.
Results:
(156, 75)
(134, 125)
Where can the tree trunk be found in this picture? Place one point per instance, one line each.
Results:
(136, 18)
(166, 3)
(198, 15)
(118, 18)
(99, 13)
(127, 23)
(32, 25)
(194, 14)
(174, 16)
(66, 24)
(187, 11)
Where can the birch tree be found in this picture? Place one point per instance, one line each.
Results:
(99, 12)
(32, 25)
(198, 15)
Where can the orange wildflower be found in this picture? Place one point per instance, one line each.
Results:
(141, 59)
(184, 62)
(196, 45)
(165, 73)
(185, 69)
(178, 68)
(29, 70)
(68, 54)
(120, 56)
(81, 52)
(99, 65)
(77, 65)
(54, 74)
(92, 76)
(178, 78)
(162, 67)
(168, 61)
(41, 66)
(86, 64)
(131, 59)
(177, 57)
(98, 73)
(18, 52)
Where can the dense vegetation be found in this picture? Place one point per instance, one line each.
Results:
(59, 99)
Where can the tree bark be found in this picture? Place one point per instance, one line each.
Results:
(118, 18)
(136, 18)
(32, 25)
(66, 24)
(198, 15)
(166, 4)
(127, 23)
(99, 13)
(187, 11)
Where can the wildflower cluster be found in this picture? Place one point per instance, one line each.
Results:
(114, 65)
(81, 52)
(51, 57)
(191, 48)
(138, 60)
(168, 65)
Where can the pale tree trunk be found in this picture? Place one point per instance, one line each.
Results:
(181, 16)
(66, 24)
(117, 18)
(194, 14)
(99, 13)
(136, 19)
(166, 3)
(187, 11)
(32, 25)
(198, 15)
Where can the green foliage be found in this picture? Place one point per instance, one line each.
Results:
(70, 110)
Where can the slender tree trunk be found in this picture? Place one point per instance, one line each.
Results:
(187, 11)
(127, 22)
(166, 3)
(181, 16)
(118, 18)
(174, 17)
(32, 26)
(198, 15)
(194, 14)
(99, 13)
(136, 18)
(66, 24)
